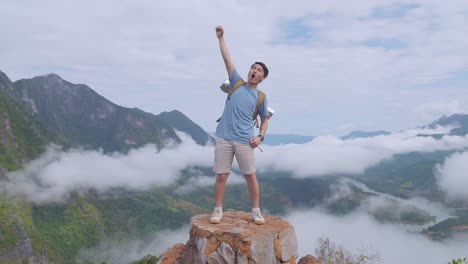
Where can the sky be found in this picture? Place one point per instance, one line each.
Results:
(335, 66)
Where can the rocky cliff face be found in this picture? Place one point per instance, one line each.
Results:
(235, 240)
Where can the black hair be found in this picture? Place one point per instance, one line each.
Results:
(264, 67)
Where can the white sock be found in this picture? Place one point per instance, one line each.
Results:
(219, 208)
(255, 209)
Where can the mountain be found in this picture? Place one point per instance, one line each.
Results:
(364, 134)
(459, 120)
(181, 122)
(56, 232)
(21, 137)
(81, 116)
(47, 109)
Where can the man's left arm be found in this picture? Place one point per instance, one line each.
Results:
(263, 125)
(255, 141)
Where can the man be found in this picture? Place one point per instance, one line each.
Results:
(235, 132)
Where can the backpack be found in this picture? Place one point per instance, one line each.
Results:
(261, 99)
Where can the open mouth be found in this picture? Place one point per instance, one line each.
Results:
(252, 76)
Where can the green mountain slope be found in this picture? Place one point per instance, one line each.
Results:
(21, 138)
(85, 118)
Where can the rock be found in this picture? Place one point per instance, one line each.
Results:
(237, 239)
(173, 255)
(309, 260)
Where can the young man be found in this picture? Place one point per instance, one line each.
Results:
(235, 132)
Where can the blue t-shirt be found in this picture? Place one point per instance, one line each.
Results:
(237, 123)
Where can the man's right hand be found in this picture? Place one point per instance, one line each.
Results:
(219, 31)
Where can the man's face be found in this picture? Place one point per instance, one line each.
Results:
(256, 74)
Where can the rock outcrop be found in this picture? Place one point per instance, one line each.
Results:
(309, 260)
(237, 239)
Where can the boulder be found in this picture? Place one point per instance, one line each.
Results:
(237, 239)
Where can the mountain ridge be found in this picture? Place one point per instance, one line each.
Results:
(85, 118)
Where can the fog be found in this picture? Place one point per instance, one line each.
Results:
(360, 231)
(328, 155)
(57, 173)
(452, 175)
(356, 232)
(123, 252)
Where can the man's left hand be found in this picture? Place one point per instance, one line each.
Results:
(255, 142)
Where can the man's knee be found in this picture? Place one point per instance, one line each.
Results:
(250, 178)
(221, 178)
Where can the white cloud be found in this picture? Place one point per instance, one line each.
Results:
(431, 111)
(359, 231)
(160, 55)
(329, 155)
(123, 252)
(452, 175)
(57, 173)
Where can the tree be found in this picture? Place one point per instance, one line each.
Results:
(330, 253)
(459, 261)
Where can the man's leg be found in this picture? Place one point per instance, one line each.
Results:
(254, 192)
(245, 156)
(220, 186)
(224, 154)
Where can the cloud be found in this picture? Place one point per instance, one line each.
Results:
(359, 231)
(330, 155)
(429, 112)
(123, 252)
(452, 175)
(57, 173)
(161, 55)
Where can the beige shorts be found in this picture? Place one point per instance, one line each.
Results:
(224, 154)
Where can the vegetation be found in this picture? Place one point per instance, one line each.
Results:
(406, 175)
(447, 228)
(459, 261)
(20, 137)
(149, 259)
(60, 230)
(330, 253)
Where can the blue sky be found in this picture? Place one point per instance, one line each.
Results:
(334, 67)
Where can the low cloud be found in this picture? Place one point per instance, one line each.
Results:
(360, 231)
(452, 175)
(57, 173)
(123, 252)
(329, 155)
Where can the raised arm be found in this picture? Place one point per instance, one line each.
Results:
(224, 50)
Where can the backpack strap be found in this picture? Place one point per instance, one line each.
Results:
(261, 99)
(238, 84)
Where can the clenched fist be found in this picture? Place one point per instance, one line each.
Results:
(219, 31)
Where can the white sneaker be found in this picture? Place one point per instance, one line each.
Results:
(257, 216)
(217, 215)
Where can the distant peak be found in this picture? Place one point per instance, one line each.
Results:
(4, 78)
(52, 76)
(172, 112)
